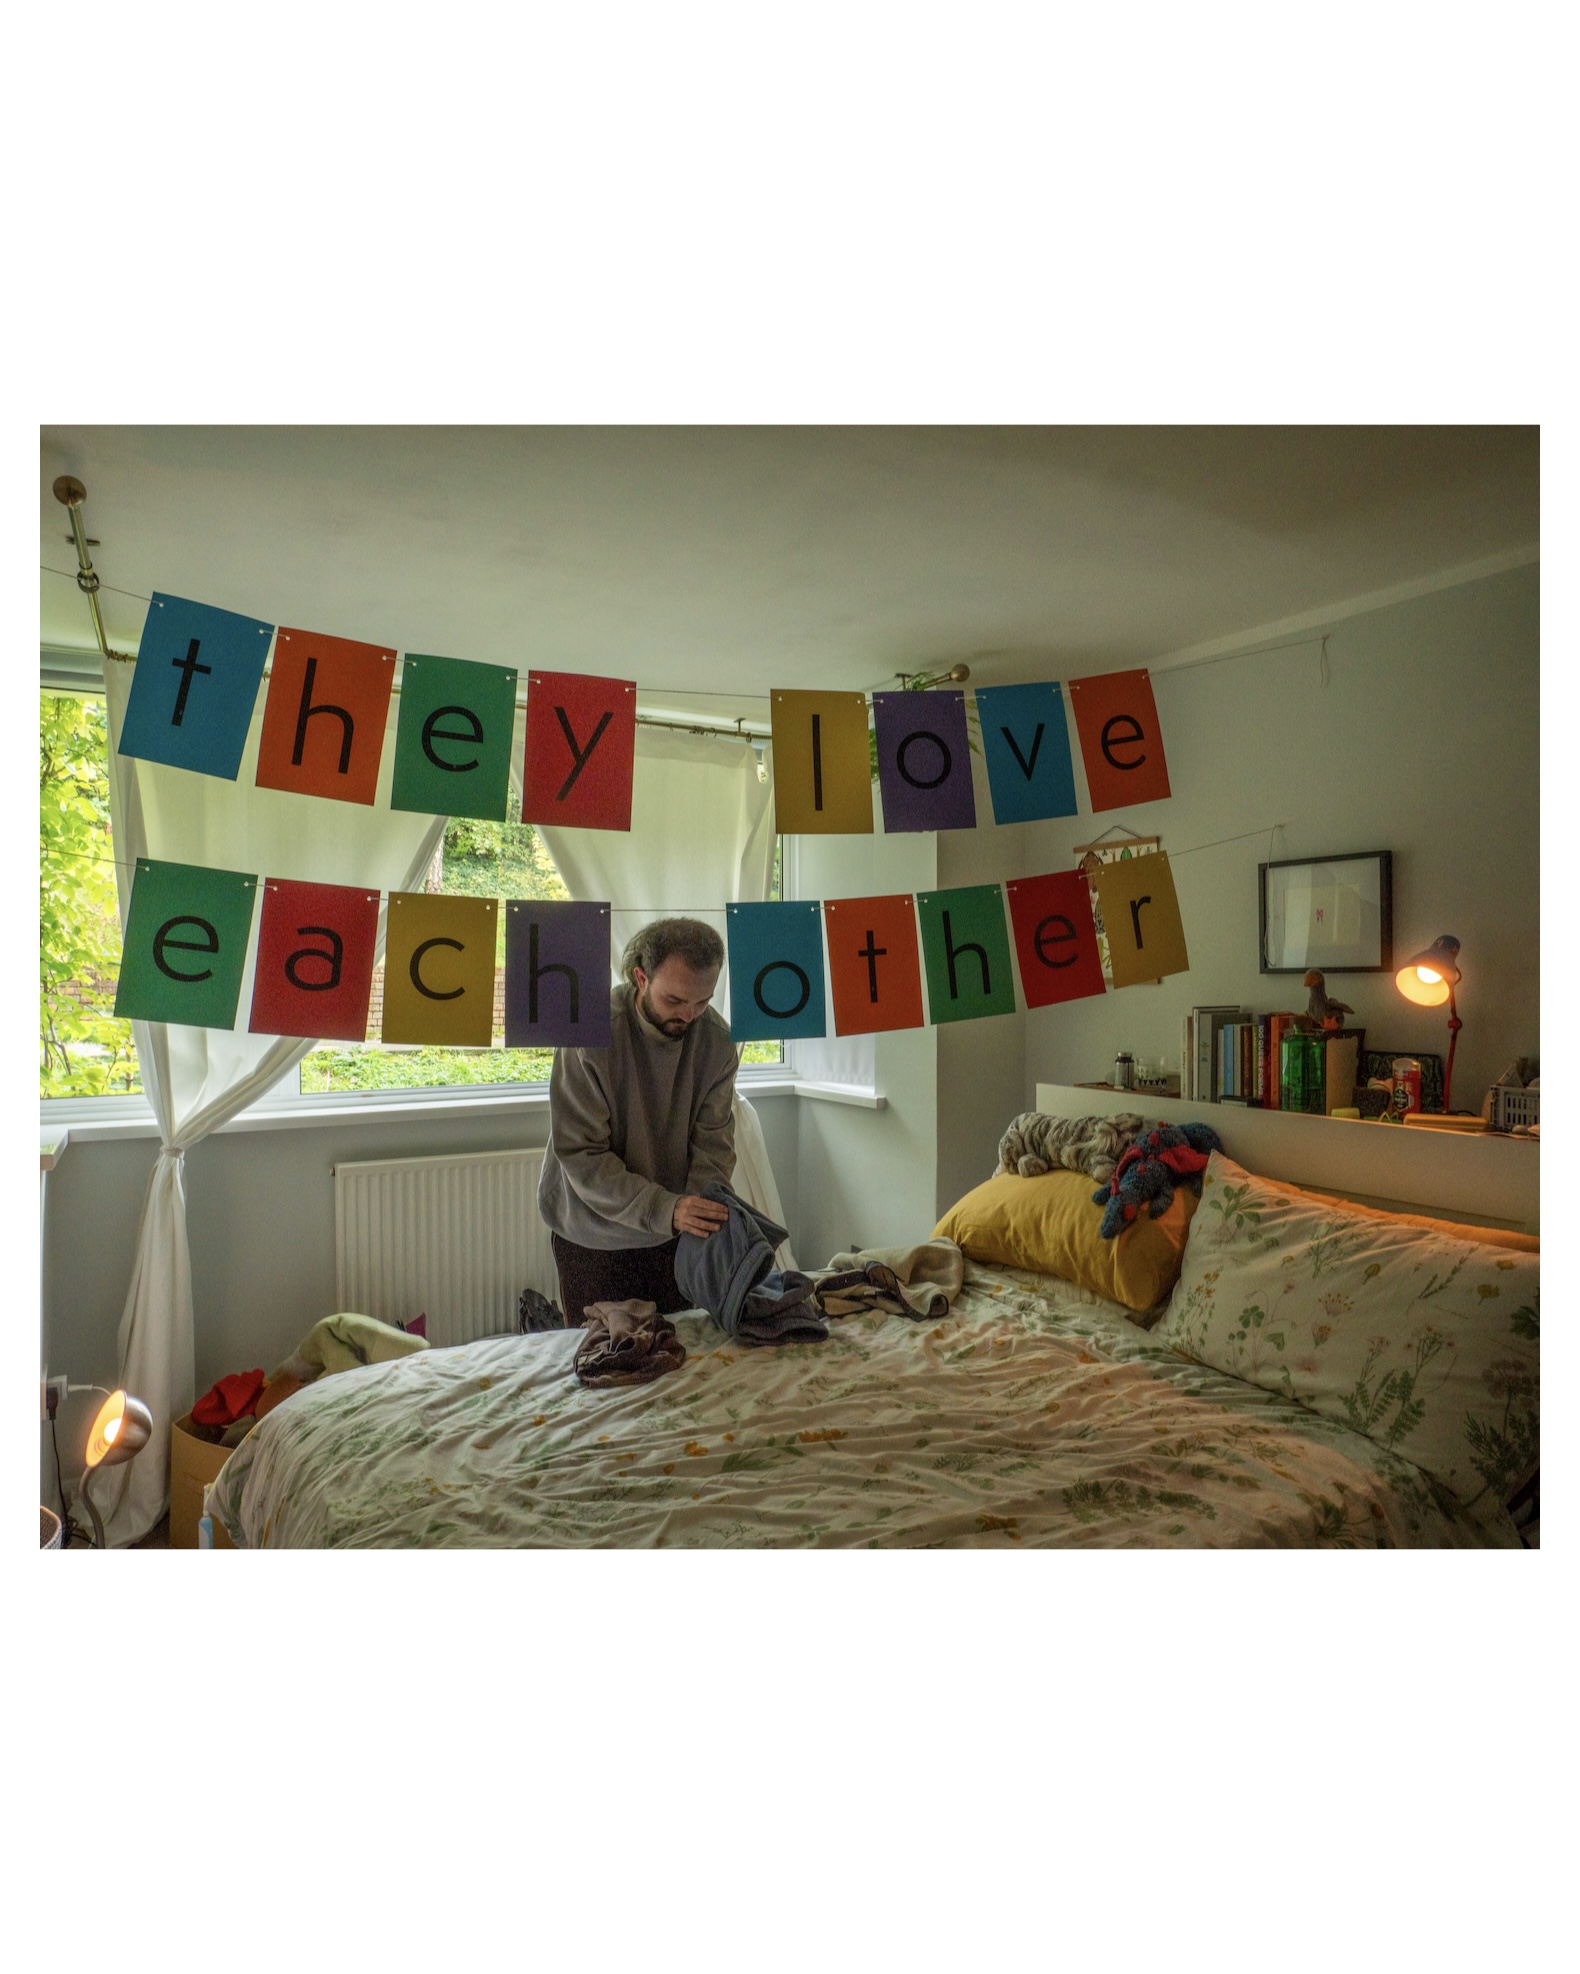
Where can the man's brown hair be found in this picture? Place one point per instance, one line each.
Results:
(686, 939)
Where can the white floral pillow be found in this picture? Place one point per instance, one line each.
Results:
(1424, 1342)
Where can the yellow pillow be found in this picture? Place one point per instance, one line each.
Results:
(1051, 1225)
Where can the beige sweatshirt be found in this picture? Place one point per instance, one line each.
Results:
(634, 1126)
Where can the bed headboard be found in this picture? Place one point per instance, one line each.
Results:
(1484, 1179)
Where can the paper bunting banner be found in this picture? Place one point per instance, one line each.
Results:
(556, 975)
(1026, 745)
(314, 971)
(453, 738)
(1055, 939)
(1141, 916)
(875, 972)
(194, 687)
(581, 751)
(186, 944)
(1120, 740)
(776, 971)
(324, 718)
(822, 764)
(924, 761)
(439, 969)
(967, 953)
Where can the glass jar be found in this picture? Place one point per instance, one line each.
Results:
(1301, 1074)
(1124, 1071)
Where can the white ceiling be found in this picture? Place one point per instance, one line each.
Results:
(733, 559)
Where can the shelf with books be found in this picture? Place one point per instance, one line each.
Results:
(1234, 1055)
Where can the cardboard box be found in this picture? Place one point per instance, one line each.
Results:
(193, 1463)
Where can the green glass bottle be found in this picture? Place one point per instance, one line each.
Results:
(1301, 1074)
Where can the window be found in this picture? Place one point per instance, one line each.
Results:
(479, 860)
(475, 860)
(83, 1050)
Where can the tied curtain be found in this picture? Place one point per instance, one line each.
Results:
(702, 835)
(197, 1079)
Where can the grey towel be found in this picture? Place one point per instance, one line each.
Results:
(626, 1343)
(720, 1272)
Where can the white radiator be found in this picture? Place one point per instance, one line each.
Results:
(455, 1239)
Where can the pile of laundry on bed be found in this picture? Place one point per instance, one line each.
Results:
(733, 1275)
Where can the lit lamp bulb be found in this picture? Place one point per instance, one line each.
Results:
(1423, 985)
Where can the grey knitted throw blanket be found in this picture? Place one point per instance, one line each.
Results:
(1036, 1143)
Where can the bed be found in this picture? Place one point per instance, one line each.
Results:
(1036, 1414)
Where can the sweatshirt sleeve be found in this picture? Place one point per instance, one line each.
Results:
(600, 1179)
(712, 1151)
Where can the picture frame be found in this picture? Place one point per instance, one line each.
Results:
(1333, 913)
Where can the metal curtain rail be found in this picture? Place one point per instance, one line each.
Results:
(71, 494)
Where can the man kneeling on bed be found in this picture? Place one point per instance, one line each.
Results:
(637, 1130)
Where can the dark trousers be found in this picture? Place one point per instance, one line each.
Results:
(616, 1274)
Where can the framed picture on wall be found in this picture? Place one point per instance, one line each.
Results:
(1335, 913)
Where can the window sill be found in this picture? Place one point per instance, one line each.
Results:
(99, 1126)
(841, 1093)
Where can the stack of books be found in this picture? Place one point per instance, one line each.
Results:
(1201, 1052)
(1230, 1055)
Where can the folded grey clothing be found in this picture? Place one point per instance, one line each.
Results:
(718, 1271)
(920, 1281)
(626, 1343)
(781, 1305)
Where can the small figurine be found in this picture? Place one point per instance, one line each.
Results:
(1320, 1011)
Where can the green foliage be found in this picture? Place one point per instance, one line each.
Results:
(83, 1050)
(331, 1069)
(498, 860)
(421, 1069)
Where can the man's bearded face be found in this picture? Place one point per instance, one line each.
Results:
(674, 995)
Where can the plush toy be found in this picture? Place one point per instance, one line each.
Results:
(1321, 1011)
(1036, 1143)
(1149, 1170)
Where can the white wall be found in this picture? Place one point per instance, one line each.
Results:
(1424, 742)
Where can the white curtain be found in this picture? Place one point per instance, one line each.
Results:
(702, 835)
(198, 1078)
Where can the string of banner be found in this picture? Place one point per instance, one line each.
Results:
(324, 720)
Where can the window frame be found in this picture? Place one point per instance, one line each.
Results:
(286, 1102)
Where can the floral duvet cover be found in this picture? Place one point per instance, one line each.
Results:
(1033, 1415)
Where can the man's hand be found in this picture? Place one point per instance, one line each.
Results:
(696, 1215)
